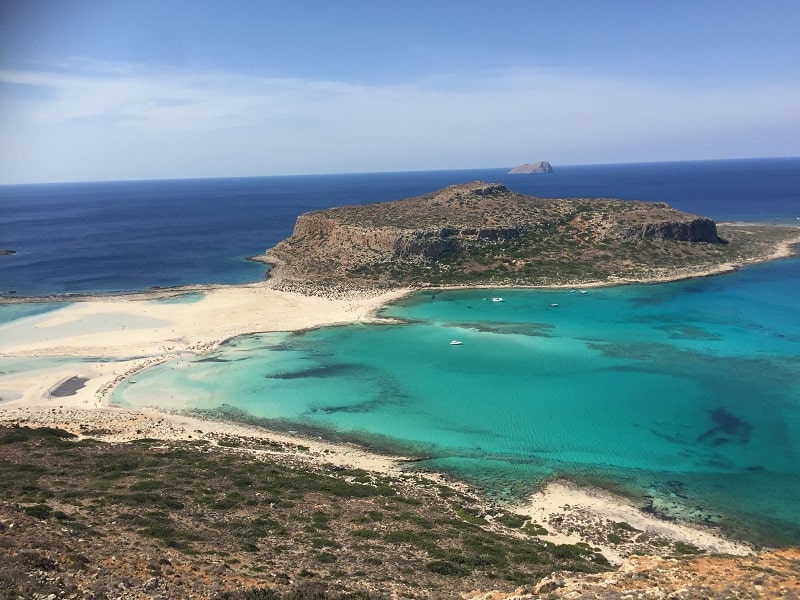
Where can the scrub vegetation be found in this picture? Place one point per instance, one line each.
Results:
(247, 520)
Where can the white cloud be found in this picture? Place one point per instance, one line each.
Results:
(121, 122)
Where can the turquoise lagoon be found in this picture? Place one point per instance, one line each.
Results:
(684, 396)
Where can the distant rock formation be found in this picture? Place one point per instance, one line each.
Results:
(482, 233)
(538, 167)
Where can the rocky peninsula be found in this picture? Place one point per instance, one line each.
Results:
(483, 234)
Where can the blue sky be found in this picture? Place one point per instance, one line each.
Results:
(106, 89)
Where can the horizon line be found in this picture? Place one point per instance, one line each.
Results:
(383, 172)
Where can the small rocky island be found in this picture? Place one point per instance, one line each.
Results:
(480, 233)
(537, 167)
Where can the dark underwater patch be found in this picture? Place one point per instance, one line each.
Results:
(628, 351)
(688, 332)
(727, 429)
(359, 407)
(528, 329)
(323, 371)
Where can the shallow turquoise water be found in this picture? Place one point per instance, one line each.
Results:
(14, 312)
(685, 395)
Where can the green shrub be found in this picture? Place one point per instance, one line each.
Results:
(424, 540)
(534, 529)
(685, 548)
(470, 515)
(15, 435)
(38, 511)
(511, 520)
(626, 527)
(386, 490)
(325, 557)
(325, 543)
(443, 567)
(147, 485)
(367, 534)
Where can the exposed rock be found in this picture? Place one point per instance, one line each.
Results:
(767, 575)
(537, 167)
(649, 226)
(151, 584)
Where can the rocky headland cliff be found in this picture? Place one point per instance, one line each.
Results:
(484, 234)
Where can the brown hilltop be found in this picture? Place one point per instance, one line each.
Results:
(484, 234)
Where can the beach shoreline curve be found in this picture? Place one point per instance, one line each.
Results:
(119, 335)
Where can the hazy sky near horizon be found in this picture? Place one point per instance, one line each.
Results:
(111, 89)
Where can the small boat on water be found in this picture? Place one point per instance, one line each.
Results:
(456, 343)
(497, 299)
(554, 304)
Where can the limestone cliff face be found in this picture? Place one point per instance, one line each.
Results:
(476, 232)
(696, 230)
(664, 226)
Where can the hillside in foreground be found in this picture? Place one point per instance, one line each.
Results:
(233, 518)
(479, 234)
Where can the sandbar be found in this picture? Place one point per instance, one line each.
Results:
(115, 337)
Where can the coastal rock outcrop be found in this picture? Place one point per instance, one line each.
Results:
(537, 167)
(483, 233)
(648, 225)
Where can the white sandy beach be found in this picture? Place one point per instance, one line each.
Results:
(138, 331)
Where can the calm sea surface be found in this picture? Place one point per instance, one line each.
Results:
(684, 395)
(107, 237)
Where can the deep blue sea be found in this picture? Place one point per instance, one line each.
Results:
(684, 396)
(123, 236)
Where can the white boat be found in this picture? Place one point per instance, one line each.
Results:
(497, 299)
(554, 304)
(456, 343)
